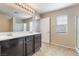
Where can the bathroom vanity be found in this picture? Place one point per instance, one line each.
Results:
(20, 45)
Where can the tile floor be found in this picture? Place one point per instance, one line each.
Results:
(53, 50)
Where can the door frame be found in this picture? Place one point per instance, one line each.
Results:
(49, 30)
(76, 31)
(76, 46)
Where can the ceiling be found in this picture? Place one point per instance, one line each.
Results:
(13, 12)
(47, 7)
(39, 7)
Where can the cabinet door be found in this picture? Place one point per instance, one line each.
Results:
(29, 45)
(37, 42)
(14, 47)
(0, 50)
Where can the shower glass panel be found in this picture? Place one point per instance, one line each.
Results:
(77, 32)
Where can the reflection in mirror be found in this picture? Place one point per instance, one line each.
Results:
(23, 25)
(15, 20)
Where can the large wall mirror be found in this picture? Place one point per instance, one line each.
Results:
(14, 20)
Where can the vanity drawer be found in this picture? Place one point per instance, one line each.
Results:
(29, 46)
(37, 42)
(28, 38)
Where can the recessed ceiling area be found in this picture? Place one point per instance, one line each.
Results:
(11, 12)
(47, 7)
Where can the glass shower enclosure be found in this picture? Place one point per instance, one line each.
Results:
(77, 32)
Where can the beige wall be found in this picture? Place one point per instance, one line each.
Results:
(27, 20)
(19, 21)
(24, 20)
(66, 39)
(4, 23)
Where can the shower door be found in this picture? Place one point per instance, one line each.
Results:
(77, 32)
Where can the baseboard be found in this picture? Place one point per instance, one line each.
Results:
(77, 50)
(59, 45)
(63, 46)
(45, 42)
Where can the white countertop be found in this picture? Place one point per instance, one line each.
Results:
(15, 35)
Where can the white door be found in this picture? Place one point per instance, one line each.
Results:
(45, 29)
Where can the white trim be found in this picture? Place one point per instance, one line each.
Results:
(76, 35)
(75, 32)
(77, 50)
(62, 46)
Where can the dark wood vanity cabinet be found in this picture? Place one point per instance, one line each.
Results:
(37, 42)
(29, 45)
(13, 47)
(23, 46)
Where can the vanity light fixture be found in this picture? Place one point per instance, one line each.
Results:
(26, 7)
